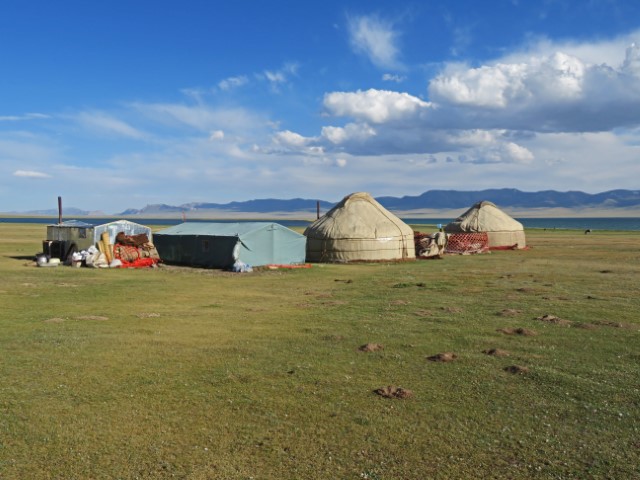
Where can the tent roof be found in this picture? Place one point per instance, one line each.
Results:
(72, 224)
(358, 215)
(220, 229)
(484, 216)
(120, 222)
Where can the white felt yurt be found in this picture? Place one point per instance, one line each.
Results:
(359, 229)
(484, 217)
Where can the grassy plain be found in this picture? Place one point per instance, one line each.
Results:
(202, 374)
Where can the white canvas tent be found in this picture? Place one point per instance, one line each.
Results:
(359, 229)
(503, 231)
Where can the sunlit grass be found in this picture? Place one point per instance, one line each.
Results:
(190, 373)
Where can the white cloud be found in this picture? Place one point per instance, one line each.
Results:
(352, 131)
(389, 77)
(375, 106)
(376, 39)
(559, 77)
(106, 124)
(216, 135)
(506, 152)
(277, 78)
(30, 174)
(26, 116)
(290, 139)
(232, 82)
(205, 118)
(555, 92)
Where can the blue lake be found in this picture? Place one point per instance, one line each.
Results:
(599, 223)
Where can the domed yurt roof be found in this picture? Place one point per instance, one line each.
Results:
(485, 216)
(359, 229)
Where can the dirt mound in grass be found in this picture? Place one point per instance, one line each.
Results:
(553, 319)
(92, 317)
(496, 352)
(517, 331)
(525, 290)
(443, 357)
(371, 347)
(423, 313)
(452, 309)
(614, 324)
(516, 369)
(400, 302)
(392, 391)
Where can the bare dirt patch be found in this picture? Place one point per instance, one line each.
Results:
(400, 302)
(496, 352)
(343, 281)
(92, 317)
(423, 313)
(517, 331)
(525, 290)
(334, 303)
(55, 320)
(516, 369)
(371, 347)
(555, 320)
(392, 391)
(509, 312)
(443, 357)
(148, 315)
(452, 309)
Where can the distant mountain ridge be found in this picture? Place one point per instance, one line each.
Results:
(431, 199)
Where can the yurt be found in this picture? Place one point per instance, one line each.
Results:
(484, 217)
(359, 229)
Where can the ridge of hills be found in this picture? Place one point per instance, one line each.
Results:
(431, 200)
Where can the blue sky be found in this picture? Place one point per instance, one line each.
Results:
(122, 104)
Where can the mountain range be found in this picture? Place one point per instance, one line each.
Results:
(508, 198)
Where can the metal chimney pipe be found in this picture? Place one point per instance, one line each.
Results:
(59, 209)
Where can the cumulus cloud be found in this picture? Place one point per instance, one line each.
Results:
(506, 152)
(559, 77)
(290, 139)
(376, 39)
(555, 92)
(30, 174)
(375, 106)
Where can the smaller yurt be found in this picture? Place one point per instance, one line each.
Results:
(359, 229)
(484, 217)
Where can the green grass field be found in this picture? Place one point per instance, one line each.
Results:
(203, 374)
